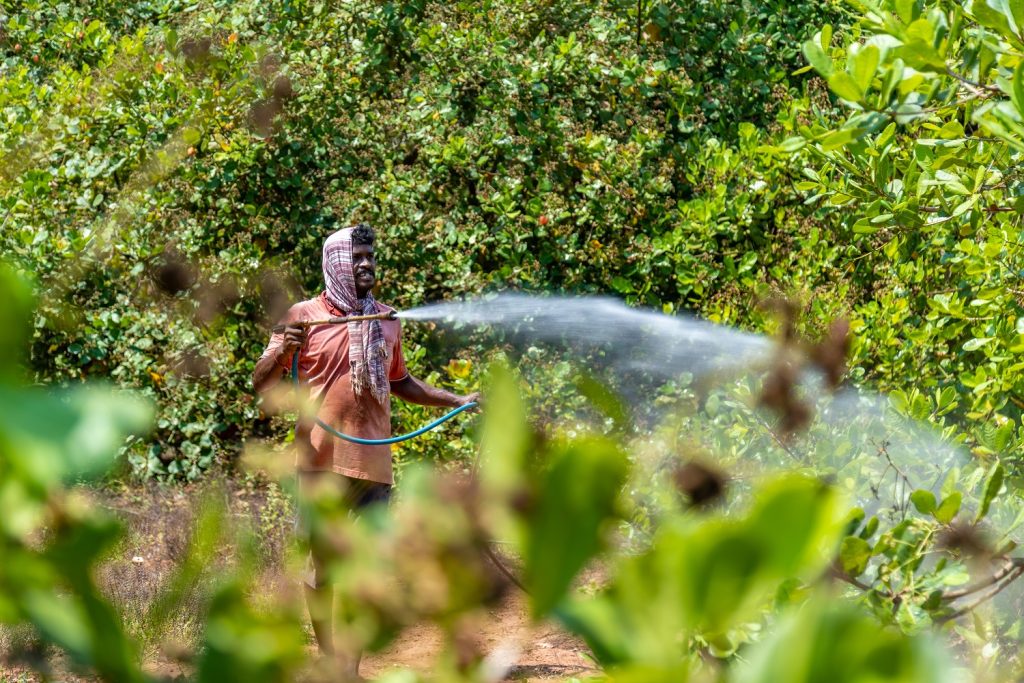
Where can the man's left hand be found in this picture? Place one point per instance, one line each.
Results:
(472, 398)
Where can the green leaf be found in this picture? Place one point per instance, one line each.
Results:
(15, 320)
(506, 439)
(69, 435)
(869, 529)
(899, 400)
(977, 343)
(817, 58)
(622, 285)
(924, 501)
(965, 206)
(576, 498)
(795, 515)
(170, 40)
(604, 399)
(720, 571)
(839, 138)
(853, 520)
(61, 620)
(1017, 93)
(994, 19)
(905, 10)
(949, 507)
(921, 56)
(1004, 120)
(828, 636)
(993, 484)
(894, 77)
(842, 84)
(600, 622)
(864, 64)
(854, 554)
(792, 144)
(864, 227)
(1017, 15)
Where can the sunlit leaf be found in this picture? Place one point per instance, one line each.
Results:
(949, 507)
(854, 554)
(864, 64)
(924, 501)
(842, 84)
(817, 58)
(993, 484)
(828, 637)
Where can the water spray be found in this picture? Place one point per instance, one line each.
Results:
(854, 433)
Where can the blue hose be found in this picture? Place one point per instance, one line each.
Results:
(377, 442)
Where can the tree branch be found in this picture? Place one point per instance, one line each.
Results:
(1006, 570)
(986, 209)
(1010, 578)
(979, 89)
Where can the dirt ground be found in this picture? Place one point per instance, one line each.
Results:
(158, 522)
(544, 653)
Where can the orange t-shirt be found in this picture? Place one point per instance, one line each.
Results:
(325, 371)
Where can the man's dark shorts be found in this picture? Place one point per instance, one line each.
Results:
(357, 494)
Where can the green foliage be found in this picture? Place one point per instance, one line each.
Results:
(925, 172)
(705, 578)
(844, 645)
(243, 643)
(701, 592)
(560, 146)
(46, 440)
(170, 171)
(581, 482)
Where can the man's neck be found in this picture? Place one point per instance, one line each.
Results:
(334, 310)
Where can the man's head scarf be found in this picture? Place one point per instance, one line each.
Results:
(367, 349)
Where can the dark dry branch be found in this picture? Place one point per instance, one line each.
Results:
(998, 588)
(1012, 564)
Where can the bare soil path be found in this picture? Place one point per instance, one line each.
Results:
(531, 653)
(158, 522)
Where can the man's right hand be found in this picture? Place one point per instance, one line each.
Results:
(294, 338)
(272, 367)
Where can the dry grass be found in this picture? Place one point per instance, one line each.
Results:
(159, 524)
(159, 527)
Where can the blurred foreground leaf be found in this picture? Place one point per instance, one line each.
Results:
(702, 578)
(834, 642)
(576, 500)
(68, 436)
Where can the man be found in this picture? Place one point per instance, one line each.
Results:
(350, 371)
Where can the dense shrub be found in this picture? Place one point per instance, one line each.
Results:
(170, 173)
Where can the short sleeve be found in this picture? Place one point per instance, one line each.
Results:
(397, 370)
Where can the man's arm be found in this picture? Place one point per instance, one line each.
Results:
(270, 369)
(415, 390)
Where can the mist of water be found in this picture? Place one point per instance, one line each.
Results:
(870, 450)
(628, 338)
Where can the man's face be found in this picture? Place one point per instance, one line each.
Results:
(364, 268)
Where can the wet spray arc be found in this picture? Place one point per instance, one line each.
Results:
(779, 406)
(639, 349)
